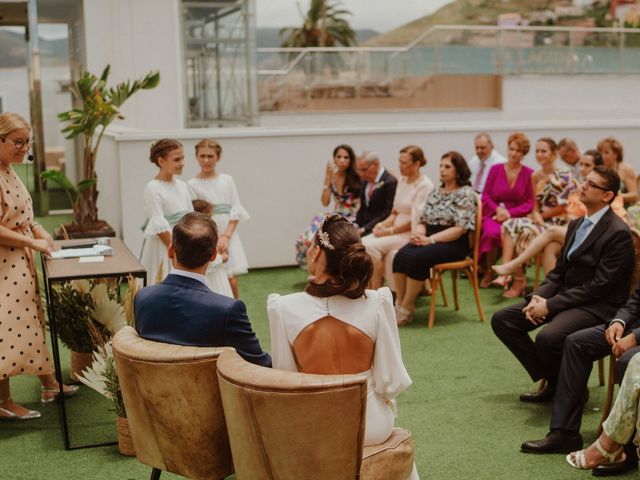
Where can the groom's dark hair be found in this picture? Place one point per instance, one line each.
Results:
(194, 239)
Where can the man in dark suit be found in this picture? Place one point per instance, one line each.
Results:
(376, 196)
(589, 284)
(183, 310)
(620, 336)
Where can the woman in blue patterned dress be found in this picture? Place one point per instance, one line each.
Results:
(342, 184)
(553, 186)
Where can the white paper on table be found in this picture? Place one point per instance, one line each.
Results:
(94, 259)
(96, 250)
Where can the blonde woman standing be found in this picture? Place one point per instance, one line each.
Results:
(22, 339)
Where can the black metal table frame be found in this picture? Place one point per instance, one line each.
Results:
(48, 286)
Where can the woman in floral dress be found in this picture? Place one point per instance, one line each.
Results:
(342, 184)
(441, 236)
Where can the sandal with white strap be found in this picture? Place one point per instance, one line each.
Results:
(578, 460)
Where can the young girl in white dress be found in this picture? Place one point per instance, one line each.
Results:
(220, 190)
(166, 200)
(351, 330)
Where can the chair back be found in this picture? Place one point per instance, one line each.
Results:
(329, 346)
(289, 425)
(173, 405)
(635, 273)
(475, 235)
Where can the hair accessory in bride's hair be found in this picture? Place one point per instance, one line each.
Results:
(323, 237)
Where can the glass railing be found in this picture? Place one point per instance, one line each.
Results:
(292, 76)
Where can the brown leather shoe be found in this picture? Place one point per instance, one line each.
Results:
(556, 441)
(544, 395)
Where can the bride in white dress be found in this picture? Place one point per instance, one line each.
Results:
(166, 200)
(337, 327)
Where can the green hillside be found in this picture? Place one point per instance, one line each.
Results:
(469, 12)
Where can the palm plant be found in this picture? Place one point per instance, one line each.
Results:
(324, 25)
(99, 107)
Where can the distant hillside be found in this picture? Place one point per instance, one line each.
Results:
(269, 38)
(13, 50)
(463, 12)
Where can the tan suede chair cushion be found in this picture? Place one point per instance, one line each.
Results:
(292, 426)
(173, 404)
(391, 460)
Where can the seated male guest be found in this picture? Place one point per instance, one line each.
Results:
(183, 310)
(570, 155)
(378, 191)
(486, 157)
(619, 336)
(589, 284)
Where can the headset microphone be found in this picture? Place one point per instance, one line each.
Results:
(30, 158)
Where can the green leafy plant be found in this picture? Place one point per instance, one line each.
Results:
(323, 25)
(73, 312)
(74, 192)
(103, 378)
(100, 106)
(102, 375)
(87, 312)
(112, 386)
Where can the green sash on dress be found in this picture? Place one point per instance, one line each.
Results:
(221, 208)
(172, 218)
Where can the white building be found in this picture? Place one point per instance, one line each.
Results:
(437, 93)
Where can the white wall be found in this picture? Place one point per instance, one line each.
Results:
(279, 171)
(135, 37)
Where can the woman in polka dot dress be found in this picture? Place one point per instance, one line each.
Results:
(22, 339)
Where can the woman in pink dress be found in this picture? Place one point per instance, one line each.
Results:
(508, 193)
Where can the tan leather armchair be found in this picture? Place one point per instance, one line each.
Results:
(173, 404)
(290, 425)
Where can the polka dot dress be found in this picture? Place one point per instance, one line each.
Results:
(22, 340)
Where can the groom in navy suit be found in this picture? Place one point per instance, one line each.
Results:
(182, 310)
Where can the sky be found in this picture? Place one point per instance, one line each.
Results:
(379, 15)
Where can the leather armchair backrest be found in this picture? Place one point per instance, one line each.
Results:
(173, 405)
(289, 425)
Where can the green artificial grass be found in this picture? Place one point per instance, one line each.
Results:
(462, 408)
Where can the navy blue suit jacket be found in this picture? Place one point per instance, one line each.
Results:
(380, 203)
(183, 311)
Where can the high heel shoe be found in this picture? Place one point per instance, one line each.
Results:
(503, 281)
(517, 288)
(506, 268)
(6, 414)
(49, 395)
(486, 280)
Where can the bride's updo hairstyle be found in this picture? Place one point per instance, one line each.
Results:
(347, 262)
